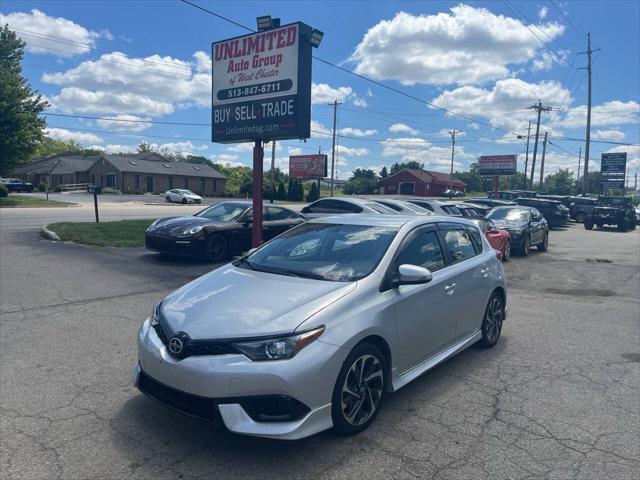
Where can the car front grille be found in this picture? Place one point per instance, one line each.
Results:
(158, 243)
(188, 403)
(194, 347)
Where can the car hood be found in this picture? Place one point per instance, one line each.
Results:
(176, 225)
(509, 224)
(231, 302)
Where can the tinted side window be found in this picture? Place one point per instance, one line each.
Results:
(459, 244)
(424, 251)
(424, 205)
(346, 207)
(278, 213)
(321, 206)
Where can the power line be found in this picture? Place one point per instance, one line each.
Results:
(576, 28)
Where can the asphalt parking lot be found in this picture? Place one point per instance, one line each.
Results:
(559, 396)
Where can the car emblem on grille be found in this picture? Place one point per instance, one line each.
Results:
(175, 346)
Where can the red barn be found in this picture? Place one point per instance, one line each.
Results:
(422, 183)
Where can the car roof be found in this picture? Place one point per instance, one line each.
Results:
(397, 221)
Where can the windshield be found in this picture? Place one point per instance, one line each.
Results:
(612, 202)
(186, 192)
(383, 209)
(509, 214)
(341, 253)
(223, 212)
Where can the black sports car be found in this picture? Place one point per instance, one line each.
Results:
(218, 232)
(526, 225)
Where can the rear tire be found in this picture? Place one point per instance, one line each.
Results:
(217, 248)
(492, 323)
(168, 198)
(359, 390)
(184, 201)
(622, 226)
(542, 247)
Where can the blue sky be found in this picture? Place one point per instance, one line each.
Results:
(146, 60)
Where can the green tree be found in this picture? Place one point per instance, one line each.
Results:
(559, 183)
(384, 173)
(282, 192)
(314, 193)
(21, 130)
(396, 167)
(362, 182)
(296, 190)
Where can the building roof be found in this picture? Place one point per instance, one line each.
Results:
(428, 176)
(73, 164)
(134, 164)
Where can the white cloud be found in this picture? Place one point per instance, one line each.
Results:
(122, 123)
(446, 133)
(609, 113)
(115, 148)
(318, 128)
(80, 137)
(358, 101)
(356, 132)
(117, 84)
(404, 147)
(52, 35)
(402, 128)
(295, 151)
(351, 152)
(613, 135)
(542, 13)
(468, 45)
(546, 60)
(505, 104)
(181, 148)
(323, 93)
(369, 92)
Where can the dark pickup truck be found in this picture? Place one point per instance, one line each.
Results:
(17, 185)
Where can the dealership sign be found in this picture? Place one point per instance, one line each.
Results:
(613, 167)
(308, 166)
(497, 165)
(262, 86)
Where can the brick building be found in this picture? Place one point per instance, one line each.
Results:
(421, 183)
(129, 173)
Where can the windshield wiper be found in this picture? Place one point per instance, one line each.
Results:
(244, 261)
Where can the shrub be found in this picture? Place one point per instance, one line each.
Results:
(42, 187)
(314, 193)
(113, 191)
(4, 191)
(282, 192)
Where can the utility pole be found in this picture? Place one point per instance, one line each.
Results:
(539, 108)
(333, 145)
(578, 180)
(585, 176)
(453, 134)
(544, 151)
(273, 177)
(526, 156)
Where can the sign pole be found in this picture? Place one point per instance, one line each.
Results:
(95, 205)
(273, 177)
(256, 228)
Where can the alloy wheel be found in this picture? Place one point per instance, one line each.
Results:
(362, 390)
(493, 322)
(507, 252)
(216, 247)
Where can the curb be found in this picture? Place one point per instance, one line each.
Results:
(48, 234)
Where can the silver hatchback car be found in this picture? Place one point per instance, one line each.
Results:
(310, 331)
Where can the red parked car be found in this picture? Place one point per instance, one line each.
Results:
(499, 239)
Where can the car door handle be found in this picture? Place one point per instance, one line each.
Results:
(484, 272)
(449, 288)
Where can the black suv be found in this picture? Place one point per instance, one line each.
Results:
(17, 185)
(526, 226)
(553, 211)
(616, 211)
(581, 207)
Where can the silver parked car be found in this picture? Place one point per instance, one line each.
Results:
(403, 207)
(340, 205)
(310, 330)
(436, 206)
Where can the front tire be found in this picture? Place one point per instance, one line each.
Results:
(358, 392)
(492, 322)
(168, 198)
(526, 245)
(217, 248)
(588, 224)
(184, 201)
(542, 247)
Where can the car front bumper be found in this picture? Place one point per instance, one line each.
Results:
(190, 246)
(224, 383)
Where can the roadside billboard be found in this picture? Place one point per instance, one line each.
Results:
(613, 167)
(308, 166)
(261, 86)
(497, 165)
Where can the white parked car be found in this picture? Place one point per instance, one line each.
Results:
(182, 196)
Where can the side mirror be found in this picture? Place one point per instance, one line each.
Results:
(305, 210)
(412, 275)
(251, 250)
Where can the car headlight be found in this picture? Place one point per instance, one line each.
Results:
(150, 227)
(154, 319)
(278, 348)
(193, 230)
